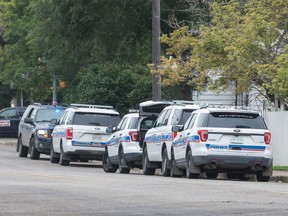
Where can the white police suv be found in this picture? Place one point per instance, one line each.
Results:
(158, 139)
(124, 147)
(223, 140)
(81, 133)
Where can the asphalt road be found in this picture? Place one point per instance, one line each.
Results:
(30, 187)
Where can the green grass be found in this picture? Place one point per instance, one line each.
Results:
(280, 168)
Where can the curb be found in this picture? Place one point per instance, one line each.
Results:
(8, 142)
(280, 179)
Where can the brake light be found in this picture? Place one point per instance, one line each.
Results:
(133, 135)
(174, 134)
(267, 137)
(203, 134)
(69, 133)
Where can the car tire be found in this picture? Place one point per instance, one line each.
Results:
(175, 171)
(54, 157)
(123, 167)
(34, 153)
(261, 178)
(145, 162)
(165, 164)
(190, 165)
(212, 174)
(106, 164)
(64, 158)
(23, 150)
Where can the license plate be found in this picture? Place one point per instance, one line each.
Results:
(236, 139)
(97, 137)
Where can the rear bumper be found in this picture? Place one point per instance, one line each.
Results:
(232, 162)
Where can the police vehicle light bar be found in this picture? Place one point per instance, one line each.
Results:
(91, 106)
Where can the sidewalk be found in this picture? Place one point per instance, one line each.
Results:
(278, 176)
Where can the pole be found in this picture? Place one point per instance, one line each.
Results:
(156, 77)
(54, 100)
(22, 104)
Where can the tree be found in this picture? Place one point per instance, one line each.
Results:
(242, 43)
(18, 57)
(121, 86)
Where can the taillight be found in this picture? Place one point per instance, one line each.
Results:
(69, 133)
(203, 134)
(267, 137)
(174, 134)
(133, 135)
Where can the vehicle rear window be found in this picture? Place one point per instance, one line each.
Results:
(98, 119)
(45, 115)
(236, 120)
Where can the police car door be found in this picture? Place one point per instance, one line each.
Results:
(157, 135)
(114, 140)
(184, 137)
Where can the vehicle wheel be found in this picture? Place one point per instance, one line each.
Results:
(18, 144)
(54, 157)
(34, 153)
(261, 178)
(23, 150)
(64, 158)
(211, 174)
(190, 166)
(165, 161)
(123, 167)
(106, 164)
(145, 161)
(175, 171)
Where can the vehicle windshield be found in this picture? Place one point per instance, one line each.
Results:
(97, 119)
(45, 115)
(236, 120)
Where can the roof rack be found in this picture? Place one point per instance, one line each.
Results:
(91, 106)
(222, 106)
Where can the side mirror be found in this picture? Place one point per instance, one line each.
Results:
(54, 121)
(28, 120)
(177, 128)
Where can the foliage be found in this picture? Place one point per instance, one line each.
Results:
(242, 43)
(121, 86)
(43, 38)
(19, 60)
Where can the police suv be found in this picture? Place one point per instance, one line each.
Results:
(81, 133)
(158, 139)
(35, 128)
(223, 140)
(124, 147)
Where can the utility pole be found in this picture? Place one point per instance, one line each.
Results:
(54, 99)
(156, 77)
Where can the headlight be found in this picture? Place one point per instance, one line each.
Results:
(43, 133)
